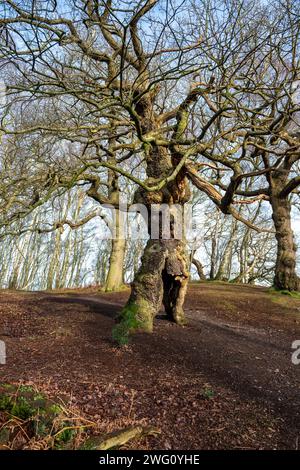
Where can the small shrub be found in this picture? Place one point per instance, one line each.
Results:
(22, 408)
(65, 436)
(45, 424)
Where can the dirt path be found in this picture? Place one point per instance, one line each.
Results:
(253, 361)
(225, 381)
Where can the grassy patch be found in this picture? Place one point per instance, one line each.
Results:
(288, 300)
(293, 294)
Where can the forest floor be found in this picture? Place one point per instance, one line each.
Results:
(226, 381)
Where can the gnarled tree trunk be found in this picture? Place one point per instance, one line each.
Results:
(163, 275)
(285, 269)
(162, 278)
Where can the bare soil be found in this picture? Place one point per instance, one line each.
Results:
(226, 381)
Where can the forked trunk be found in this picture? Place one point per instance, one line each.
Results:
(285, 270)
(162, 278)
(163, 275)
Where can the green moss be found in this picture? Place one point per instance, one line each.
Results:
(293, 294)
(145, 315)
(128, 323)
(146, 146)
(182, 124)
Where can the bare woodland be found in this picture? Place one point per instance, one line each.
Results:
(167, 102)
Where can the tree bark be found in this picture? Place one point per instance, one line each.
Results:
(285, 269)
(224, 270)
(115, 276)
(164, 273)
(116, 261)
(214, 249)
(162, 278)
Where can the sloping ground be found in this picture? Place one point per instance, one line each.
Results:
(225, 381)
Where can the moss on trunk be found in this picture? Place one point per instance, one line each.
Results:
(162, 278)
